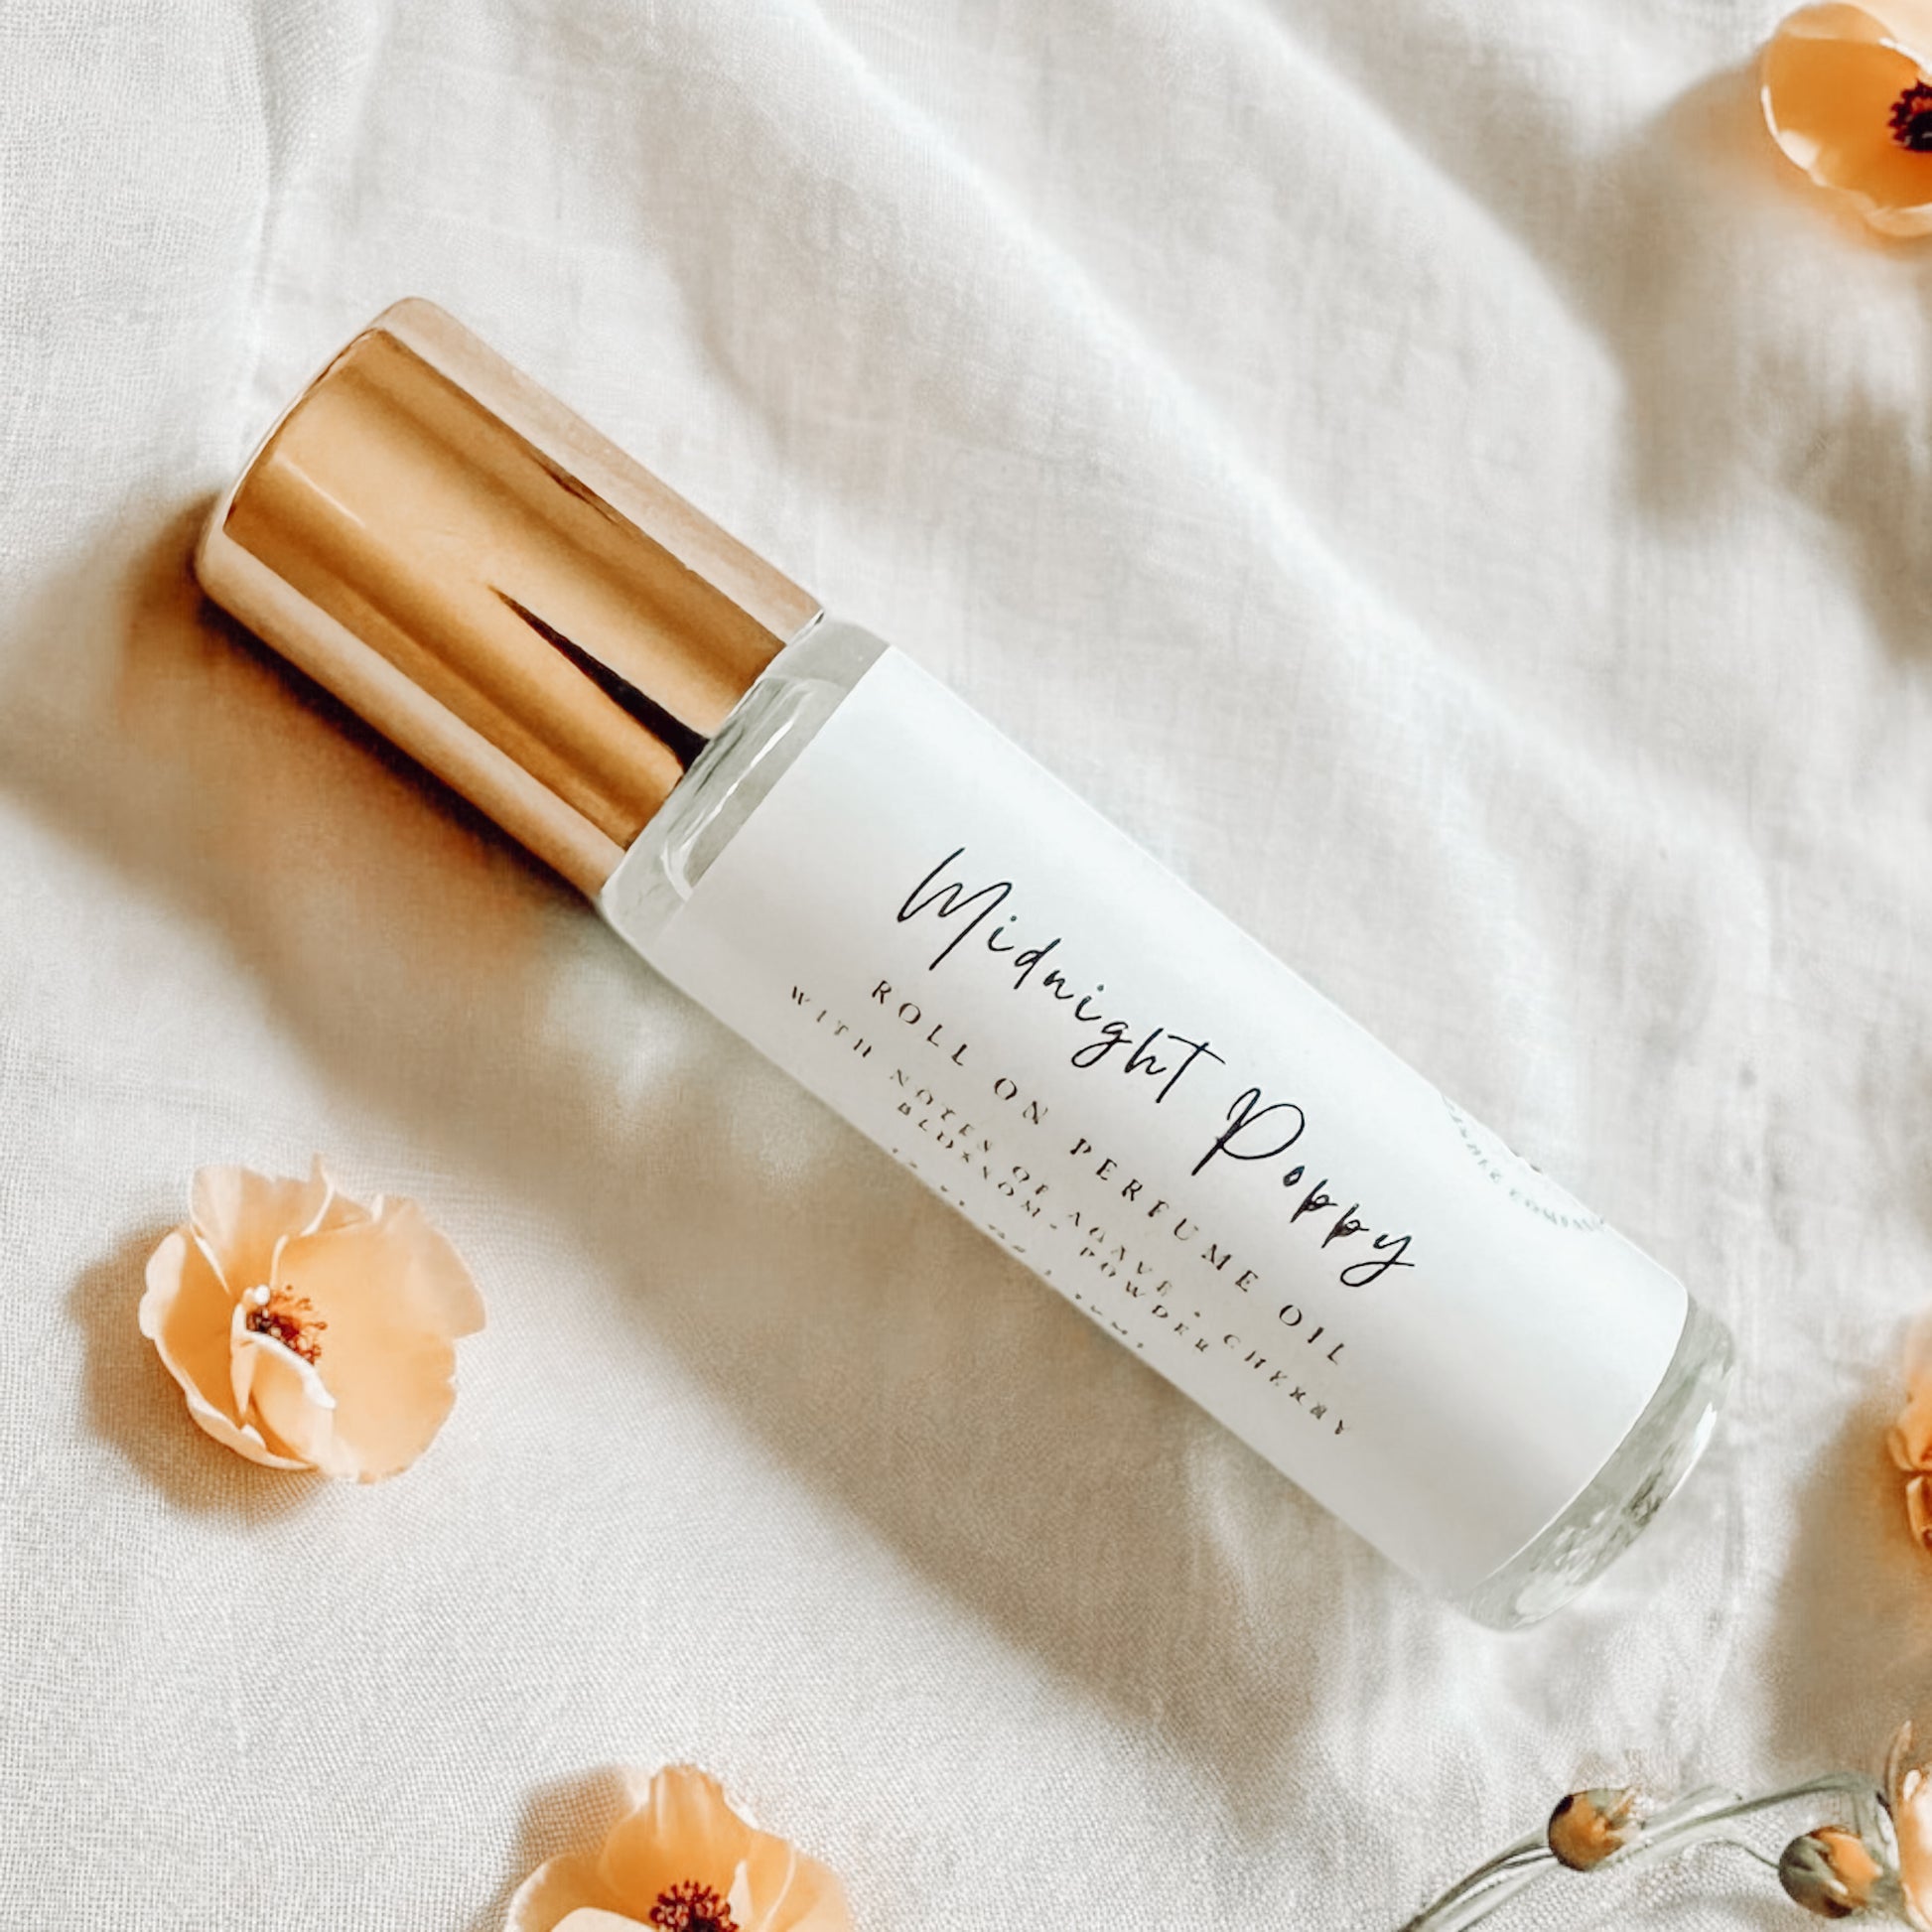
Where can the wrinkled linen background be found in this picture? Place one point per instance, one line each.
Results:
(1422, 467)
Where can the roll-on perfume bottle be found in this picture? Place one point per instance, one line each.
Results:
(814, 839)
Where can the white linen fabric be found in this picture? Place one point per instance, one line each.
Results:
(1426, 469)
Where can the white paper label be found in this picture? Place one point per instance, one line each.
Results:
(1190, 1143)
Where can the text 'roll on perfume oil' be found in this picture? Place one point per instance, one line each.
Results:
(819, 843)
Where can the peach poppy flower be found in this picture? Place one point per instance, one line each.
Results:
(1846, 97)
(306, 1330)
(1908, 1792)
(1910, 1440)
(681, 1860)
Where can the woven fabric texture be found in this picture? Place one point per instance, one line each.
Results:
(1418, 465)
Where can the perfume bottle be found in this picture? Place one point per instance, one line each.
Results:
(815, 839)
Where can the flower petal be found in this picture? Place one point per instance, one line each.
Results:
(1909, 1791)
(763, 1881)
(241, 1216)
(592, 1918)
(1910, 1440)
(246, 1439)
(1918, 1510)
(436, 1285)
(283, 1396)
(813, 1900)
(188, 1314)
(685, 1829)
(185, 1310)
(1827, 82)
(336, 1209)
(392, 1377)
(556, 1894)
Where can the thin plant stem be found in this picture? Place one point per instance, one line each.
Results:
(1491, 1886)
(1478, 1893)
(1691, 1821)
(1699, 1818)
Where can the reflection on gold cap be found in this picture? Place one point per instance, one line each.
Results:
(531, 614)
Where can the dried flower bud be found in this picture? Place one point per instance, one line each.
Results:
(1589, 1825)
(1831, 1871)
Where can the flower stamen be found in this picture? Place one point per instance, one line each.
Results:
(287, 1318)
(1911, 118)
(691, 1907)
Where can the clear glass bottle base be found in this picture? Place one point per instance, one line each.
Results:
(1650, 1463)
(773, 722)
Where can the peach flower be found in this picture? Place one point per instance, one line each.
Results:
(308, 1331)
(1908, 1791)
(681, 1860)
(1910, 1440)
(1847, 98)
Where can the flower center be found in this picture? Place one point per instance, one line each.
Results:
(691, 1907)
(1911, 118)
(287, 1318)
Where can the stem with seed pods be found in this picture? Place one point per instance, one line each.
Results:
(1704, 1817)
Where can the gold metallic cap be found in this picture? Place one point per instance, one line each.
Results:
(492, 585)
